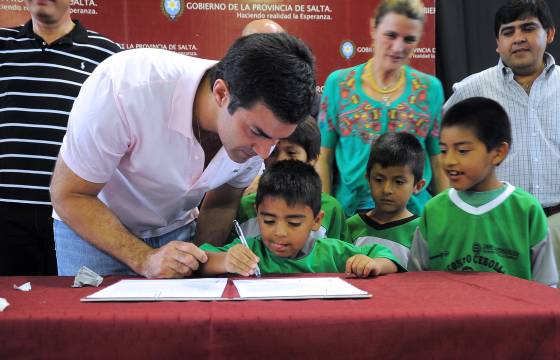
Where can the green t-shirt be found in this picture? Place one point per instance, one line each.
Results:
(395, 235)
(350, 121)
(326, 256)
(508, 235)
(333, 225)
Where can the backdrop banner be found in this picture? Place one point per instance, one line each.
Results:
(338, 31)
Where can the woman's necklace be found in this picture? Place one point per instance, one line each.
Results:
(386, 92)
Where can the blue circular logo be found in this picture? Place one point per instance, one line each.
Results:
(347, 49)
(172, 8)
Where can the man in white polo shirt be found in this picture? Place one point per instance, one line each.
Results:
(152, 133)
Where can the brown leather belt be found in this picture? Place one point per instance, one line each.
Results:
(551, 210)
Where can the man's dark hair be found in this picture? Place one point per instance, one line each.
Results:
(308, 136)
(485, 117)
(397, 149)
(275, 69)
(522, 9)
(292, 180)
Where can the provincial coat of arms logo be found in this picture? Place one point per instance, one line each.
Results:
(172, 8)
(347, 49)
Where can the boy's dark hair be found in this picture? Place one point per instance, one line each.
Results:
(308, 136)
(292, 180)
(522, 9)
(488, 120)
(397, 149)
(275, 69)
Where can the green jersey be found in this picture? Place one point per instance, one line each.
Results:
(395, 235)
(333, 225)
(509, 235)
(325, 256)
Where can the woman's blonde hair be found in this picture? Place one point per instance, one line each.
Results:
(412, 9)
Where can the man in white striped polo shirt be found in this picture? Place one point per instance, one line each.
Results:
(42, 67)
(526, 82)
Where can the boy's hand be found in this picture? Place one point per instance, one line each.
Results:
(362, 266)
(241, 260)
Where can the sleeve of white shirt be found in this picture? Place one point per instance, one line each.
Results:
(98, 135)
(419, 253)
(467, 88)
(248, 172)
(543, 263)
(455, 97)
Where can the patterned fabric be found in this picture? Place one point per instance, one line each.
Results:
(534, 159)
(39, 83)
(350, 120)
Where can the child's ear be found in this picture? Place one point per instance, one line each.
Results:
(500, 153)
(419, 185)
(318, 220)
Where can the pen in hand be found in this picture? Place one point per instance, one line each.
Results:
(244, 242)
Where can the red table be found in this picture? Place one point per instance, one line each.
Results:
(410, 316)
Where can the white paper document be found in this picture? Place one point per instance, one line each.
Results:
(298, 288)
(23, 287)
(3, 304)
(162, 290)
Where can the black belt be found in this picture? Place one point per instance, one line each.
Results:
(551, 210)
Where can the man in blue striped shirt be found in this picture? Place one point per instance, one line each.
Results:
(42, 67)
(526, 82)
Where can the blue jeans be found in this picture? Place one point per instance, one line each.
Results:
(73, 252)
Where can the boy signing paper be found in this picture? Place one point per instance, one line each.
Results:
(288, 208)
